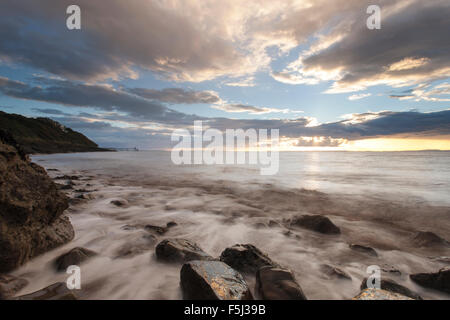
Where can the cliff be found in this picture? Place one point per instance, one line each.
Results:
(43, 135)
(31, 208)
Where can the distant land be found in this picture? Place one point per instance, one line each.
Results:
(44, 135)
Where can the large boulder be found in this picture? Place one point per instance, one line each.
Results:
(212, 280)
(74, 257)
(392, 286)
(274, 283)
(439, 280)
(379, 294)
(246, 258)
(56, 291)
(31, 208)
(10, 285)
(180, 250)
(315, 223)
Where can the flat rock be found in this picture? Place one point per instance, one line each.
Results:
(392, 286)
(180, 250)
(274, 283)
(212, 280)
(439, 280)
(379, 294)
(363, 249)
(246, 258)
(334, 272)
(74, 257)
(429, 239)
(56, 291)
(10, 285)
(315, 223)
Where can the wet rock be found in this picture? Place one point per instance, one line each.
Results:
(10, 285)
(57, 291)
(363, 249)
(132, 249)
(67, 177)
(334, 272)
(391, 270)
(439, 280)
(31, 208)
(171, 224)
(157, 229)
(74, 257)
(274, 283)
(392, 286)
(180, 250)
(120, 202)
(316, 223)
(429, 239)
(274, 224)
(246, 258)
(212, 280)
(379, 294)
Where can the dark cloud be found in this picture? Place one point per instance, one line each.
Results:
(177, 95)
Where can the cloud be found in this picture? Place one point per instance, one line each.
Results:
(408, 50)
(359, 96)
(177, 95)
(239, 108)
(427, 92)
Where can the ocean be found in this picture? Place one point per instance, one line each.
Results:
(377, 199)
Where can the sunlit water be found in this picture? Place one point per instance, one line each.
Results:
(377, 199)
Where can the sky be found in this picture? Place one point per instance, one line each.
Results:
(139, 69)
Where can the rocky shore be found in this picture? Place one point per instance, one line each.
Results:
(33, 222)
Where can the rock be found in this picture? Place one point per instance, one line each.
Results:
(74, 257)
(274, 283)
(429, 239)
(379, 294)
(334, 272)
(180, 250)
(274, 224)
(316, 223)
(157, 229)
(212, 280)
(391, 270)
(363, 249)
(31, 209)
(171, 224)
(439, 280)
(129, 250)
(10, 285)
(392, 286)
(67, 177)
(57, 291)
(442, 259)
(119, 202)
(246, 258)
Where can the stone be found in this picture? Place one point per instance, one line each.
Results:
(439, 280)
(119, 202)
(142, 245)
(56, 291)
(334, 272)
(10, 285)
(212, 280)
(392, 286)
(315, 223)
(429, 239)
(273, 283)
(246, 258)
(363, 249)
(379, 294)
(157, 229)
(180, 250)
(31, 209)
(74, 257)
